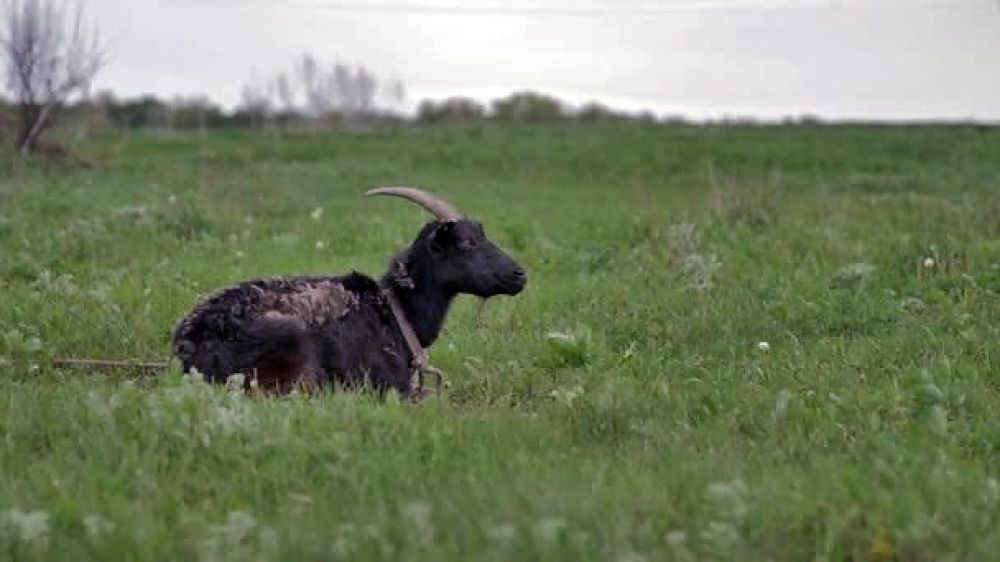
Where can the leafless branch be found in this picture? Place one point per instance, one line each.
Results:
(50, 54)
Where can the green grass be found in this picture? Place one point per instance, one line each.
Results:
(619, 409)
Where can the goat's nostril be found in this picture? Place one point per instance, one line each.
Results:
(520, 276)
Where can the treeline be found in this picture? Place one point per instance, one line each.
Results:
(149, 112)
(197, 113)
(105, 111)
(520, 107)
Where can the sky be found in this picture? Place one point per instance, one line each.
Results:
(838, 59)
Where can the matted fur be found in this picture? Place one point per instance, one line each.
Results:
(265, 315)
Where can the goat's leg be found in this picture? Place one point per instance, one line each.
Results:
(279, 354)
(310, 374)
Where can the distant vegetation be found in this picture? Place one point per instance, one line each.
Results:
(105, 110)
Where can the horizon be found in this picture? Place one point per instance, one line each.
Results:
(574, 102)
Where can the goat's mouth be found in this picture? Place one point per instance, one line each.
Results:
(513, 283)
(508, 285)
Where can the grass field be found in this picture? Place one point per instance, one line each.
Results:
(620, 409)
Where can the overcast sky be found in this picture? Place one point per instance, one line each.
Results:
(835, 58)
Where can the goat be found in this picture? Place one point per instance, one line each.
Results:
(350, 330)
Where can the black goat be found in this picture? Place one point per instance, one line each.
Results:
(351, 330)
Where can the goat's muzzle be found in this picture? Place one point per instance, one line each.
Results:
(514, 282)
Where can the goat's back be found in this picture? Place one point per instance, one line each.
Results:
(223, 334)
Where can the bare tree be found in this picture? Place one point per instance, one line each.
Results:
(285, 92)
(395, 94)
(316, 87)
(256, 102)
(50, 54)
(325, 94)
(365, 88)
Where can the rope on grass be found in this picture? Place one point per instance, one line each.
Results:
(109, 365)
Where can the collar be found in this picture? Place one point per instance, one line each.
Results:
(421, 362)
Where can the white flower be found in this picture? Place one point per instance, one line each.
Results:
(560, 337)
(502, 533)
(928, 263)
(939, 419)
(730, 497)
(228, 540)
(32, 526)
(549, 529)
(629, 556)
(721, 534)
(992, 490)
(316, 214)
(700, 269)
(420, 522)
(97, 525)
(781, 406)
(172, 199)
(763, 347)
(419, 516)
(676, 538)
(567, 395)
(320, 244)
(300, 502)
(237, 526)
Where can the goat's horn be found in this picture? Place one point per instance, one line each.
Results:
(438, 207)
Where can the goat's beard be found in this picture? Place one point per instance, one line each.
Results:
(480, 310)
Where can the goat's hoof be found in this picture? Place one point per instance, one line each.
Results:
(418, 395)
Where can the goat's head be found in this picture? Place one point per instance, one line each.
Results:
(453, 253)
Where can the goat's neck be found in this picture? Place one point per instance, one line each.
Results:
(426, 308)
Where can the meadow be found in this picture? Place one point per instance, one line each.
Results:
(622, 408)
